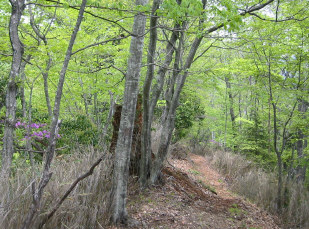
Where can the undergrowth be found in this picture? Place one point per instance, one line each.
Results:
(260, 187)
(84, 208)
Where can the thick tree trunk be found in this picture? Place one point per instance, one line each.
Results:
(146, 127)
(136, 138)
(135, 158)
(124, 142)
(17, 48)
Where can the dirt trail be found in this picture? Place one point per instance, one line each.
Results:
(205, 173)
(195, 195)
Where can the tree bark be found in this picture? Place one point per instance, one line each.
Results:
(22, 87)
(146, 127)
(124, 142)
(150, 107)
(17, 48)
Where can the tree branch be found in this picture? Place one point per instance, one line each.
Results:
(67, 193)
(100, 43)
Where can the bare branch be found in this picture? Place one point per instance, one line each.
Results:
(92, 71)
(100, 43)
(282, 20)
(211, 45)
(123, 73)
(67, 193)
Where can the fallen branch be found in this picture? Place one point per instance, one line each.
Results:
(67, 193)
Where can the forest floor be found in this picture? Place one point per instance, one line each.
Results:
(194, 195)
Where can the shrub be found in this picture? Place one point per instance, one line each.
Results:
(189, 111)
(79, 131)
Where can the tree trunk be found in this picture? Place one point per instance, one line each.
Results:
(22, 87)
(17, 48)
(277, 151)
(84, 96)
(301, 144)
(124, 142)
(146, 127)
(47, 98)
(231, 99)
(168, 124)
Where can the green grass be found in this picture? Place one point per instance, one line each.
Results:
(194, 172)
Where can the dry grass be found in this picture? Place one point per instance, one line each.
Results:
(260, 187)
(84, 208)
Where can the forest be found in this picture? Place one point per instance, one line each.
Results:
(95, 94)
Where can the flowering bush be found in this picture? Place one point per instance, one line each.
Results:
(36, 130)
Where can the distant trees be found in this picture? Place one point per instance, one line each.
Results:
(267, 117)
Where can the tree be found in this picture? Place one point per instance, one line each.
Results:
(18, 49)
(123, 148)
(230, 18)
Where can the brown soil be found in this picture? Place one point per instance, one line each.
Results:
(194, 195)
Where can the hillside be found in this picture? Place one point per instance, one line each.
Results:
(194, 195)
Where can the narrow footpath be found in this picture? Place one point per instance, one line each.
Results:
(195, 195)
